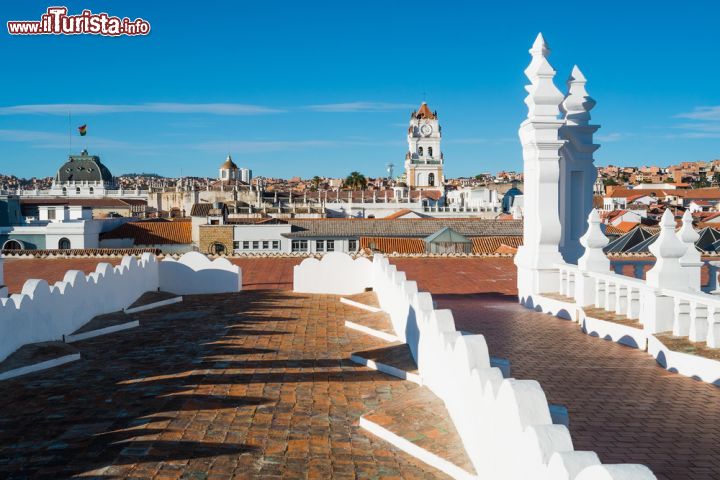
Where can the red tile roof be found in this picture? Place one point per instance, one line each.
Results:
(153, 232)
(392, 245)
(492, 244)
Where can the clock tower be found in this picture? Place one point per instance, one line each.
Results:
(424, 159)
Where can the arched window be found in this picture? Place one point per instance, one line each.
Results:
(217, 248)
(420, 151)
(13, 245)
(431, 179)
(64, 190)
(77, 191)
(64, 244)
(429, 151)
(92, 190)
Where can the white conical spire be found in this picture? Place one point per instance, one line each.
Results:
(594, 240)
(543, 96)
(577, 103)
(667, 272)
(689, 236)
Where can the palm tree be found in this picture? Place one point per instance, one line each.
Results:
(315, 182)
(356, 181)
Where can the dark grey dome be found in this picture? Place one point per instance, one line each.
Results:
(84, 168)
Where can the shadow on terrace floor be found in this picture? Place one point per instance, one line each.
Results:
(161, 397)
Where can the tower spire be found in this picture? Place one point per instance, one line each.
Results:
(578, 103)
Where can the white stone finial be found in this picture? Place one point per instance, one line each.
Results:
(691, 261)
(687, 233)
(667, 272)
(577, 103)
(543, 98)
(594, 240)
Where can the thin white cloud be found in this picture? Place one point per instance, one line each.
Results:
(179, 108)
(612, 137)
(257, 146)
(702, 113)
(359, 107)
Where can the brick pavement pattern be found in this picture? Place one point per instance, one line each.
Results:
(621, 403)
(256, 384)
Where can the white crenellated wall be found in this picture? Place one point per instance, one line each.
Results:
(335, 273)
(43, 312)
(505, 424)
(195, 273)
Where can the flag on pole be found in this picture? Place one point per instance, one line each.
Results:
(83, 130)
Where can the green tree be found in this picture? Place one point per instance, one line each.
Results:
(315, 182)
(355, 181)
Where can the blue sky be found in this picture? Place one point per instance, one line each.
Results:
(324, 88)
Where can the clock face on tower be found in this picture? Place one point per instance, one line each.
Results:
(426, 129)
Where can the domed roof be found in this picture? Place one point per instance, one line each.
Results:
(509, 198)
(229, 164)
(84, 168)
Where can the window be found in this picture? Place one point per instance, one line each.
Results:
(330, 246)
(64, 190)
(51, 214)
(320, 245)
(266, 244)
(352, 245)
(92, 190)
(429, 151)
(236, 245)
(276, 244)
(420, 151)
(256, 245)
(299, 245)
(13, 245)
(64, 244)
(77, 191)
(246, 245)
(215, 222)
(431, 179)
(217, 248)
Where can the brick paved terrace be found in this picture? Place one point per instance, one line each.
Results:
(259, 384)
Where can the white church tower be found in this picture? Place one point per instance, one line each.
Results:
(424, 159)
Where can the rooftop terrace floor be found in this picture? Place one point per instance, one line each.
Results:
(260, 384)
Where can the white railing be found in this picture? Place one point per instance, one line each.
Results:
(695, 315)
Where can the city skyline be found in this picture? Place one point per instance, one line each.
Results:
(285, 102)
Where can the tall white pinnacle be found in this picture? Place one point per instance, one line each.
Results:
(577, 169)
(537, 258)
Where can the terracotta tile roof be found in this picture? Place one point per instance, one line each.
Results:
(401, 227)
(612, 230)
(200, 209)
(392, 245)
(506, 249)
(625, 227)
(82, 252)
(402, 213)
(493, 243)
(153, 232)
(424, 112)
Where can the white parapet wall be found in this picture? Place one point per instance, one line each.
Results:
(336, 273)
(43, 312)
(505, 424)
(195, 273)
